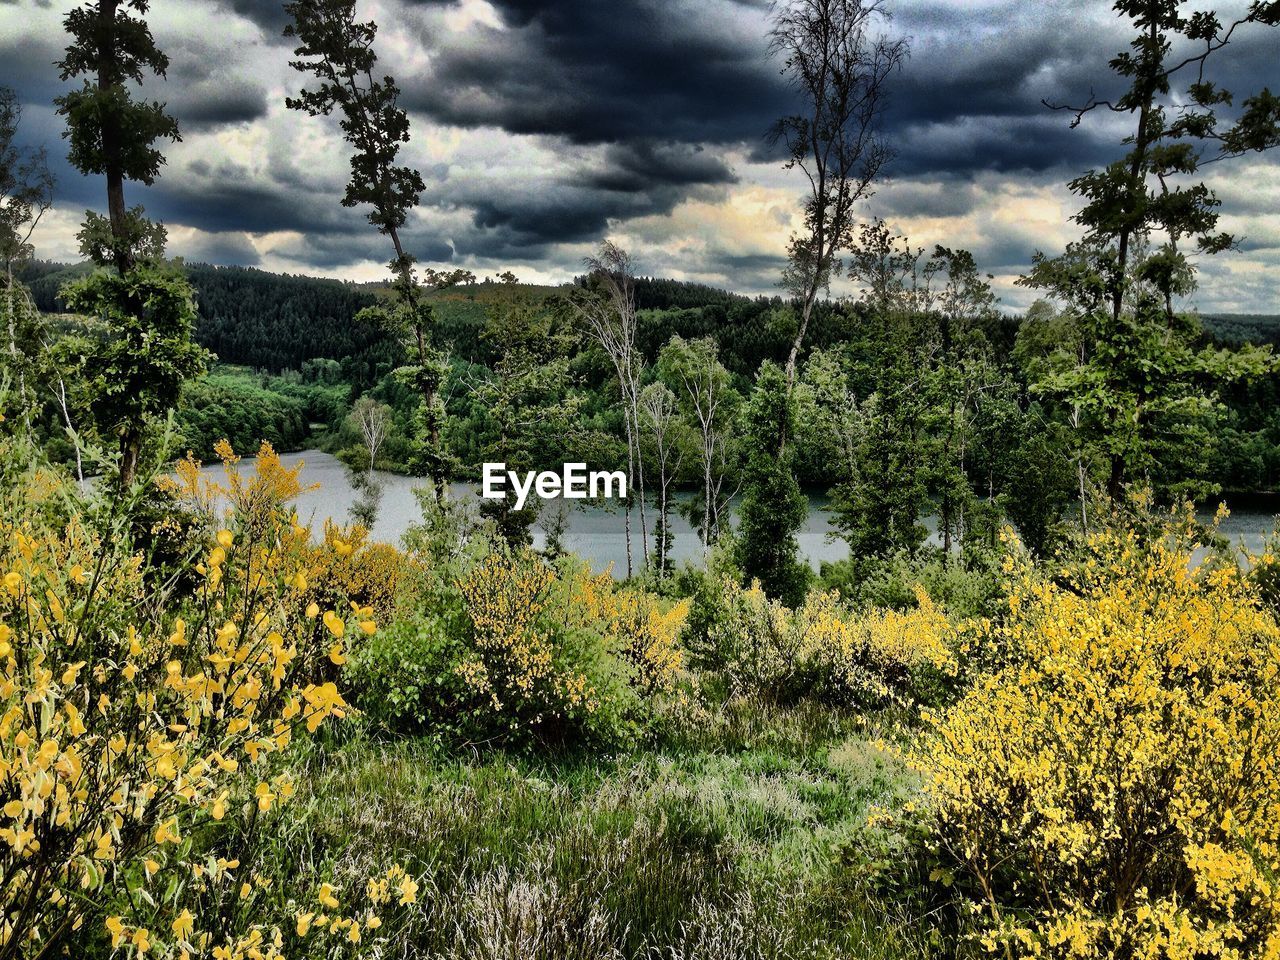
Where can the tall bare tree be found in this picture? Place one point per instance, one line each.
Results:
(660, 411)
(609, 308)
(372, 419)
(839, 68)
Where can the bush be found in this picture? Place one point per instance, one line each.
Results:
(1111, 788)
(966, 587)
(146, 727)
(521, 651)
(827, 650)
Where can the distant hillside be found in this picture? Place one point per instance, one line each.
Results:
(269, 321)
(1236, 328)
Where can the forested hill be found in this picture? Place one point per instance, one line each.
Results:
(269, 321)
(276, 322)
(1237, 328)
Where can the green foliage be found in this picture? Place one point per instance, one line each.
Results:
(141, 353)
(773, 508)
(968, 588)
(229, 405)
(404, 678)
(26, 188)
(1138, 378)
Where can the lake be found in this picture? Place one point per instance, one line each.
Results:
(596, 532)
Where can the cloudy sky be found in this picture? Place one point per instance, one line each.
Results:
(542, 127)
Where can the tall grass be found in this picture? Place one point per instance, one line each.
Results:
(721, 849)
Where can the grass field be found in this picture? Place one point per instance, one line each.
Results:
(727, 847)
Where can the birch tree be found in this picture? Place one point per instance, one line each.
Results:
(709, 398)
(660, 410)
(608, 308)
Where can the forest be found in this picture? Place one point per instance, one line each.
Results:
(983, 398)
(1033, 712)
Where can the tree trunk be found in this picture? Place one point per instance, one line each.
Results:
(439, 482)
(108, 70)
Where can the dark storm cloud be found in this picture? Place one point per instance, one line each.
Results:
(267, 14)
(645, 165)
(220, 195)
(596, 72)
(228, 249)
(204, 89)
(337, 251)
(526, 220)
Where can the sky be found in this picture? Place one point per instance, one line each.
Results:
(542, 128)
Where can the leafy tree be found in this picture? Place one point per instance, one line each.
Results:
(840, 71)
(693, 369)
(26, 194)
(1139, 215)
(529, 410)
(773, 507)
(110, 133)
(338, 51)
(143, 351)
(26, 188)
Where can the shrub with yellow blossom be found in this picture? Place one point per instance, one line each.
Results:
(1112, 787)
(825, 648)
(144, 726)
(517, 649)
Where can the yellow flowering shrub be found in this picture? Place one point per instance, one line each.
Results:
(145, 723)
(632, 622)
(344, 566)
(555, 650)
(825, 648)
(1112, 787)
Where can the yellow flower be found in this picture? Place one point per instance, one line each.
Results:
(183, 924)
(265, 797)
(326, 897)
(225, 539)
(115, 927)
(334, 623)
(408, 891)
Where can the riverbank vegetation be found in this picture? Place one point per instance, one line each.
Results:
(225, 735)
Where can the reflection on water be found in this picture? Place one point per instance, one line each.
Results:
(596, 532)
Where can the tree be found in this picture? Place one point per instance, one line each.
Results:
(26, 194)
(608, 307)
(659, 407)
(1139, 214)
(111, 134)
(26, 188)
(338, 51)
(709, 399)
(373, 420)
(145, 350)
(773, 507)
(840, 72)
(529, 412)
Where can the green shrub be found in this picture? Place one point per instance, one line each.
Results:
(828, 650)
(966, 587)
(518, 651)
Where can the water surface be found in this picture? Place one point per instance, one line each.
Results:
(596, 532)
